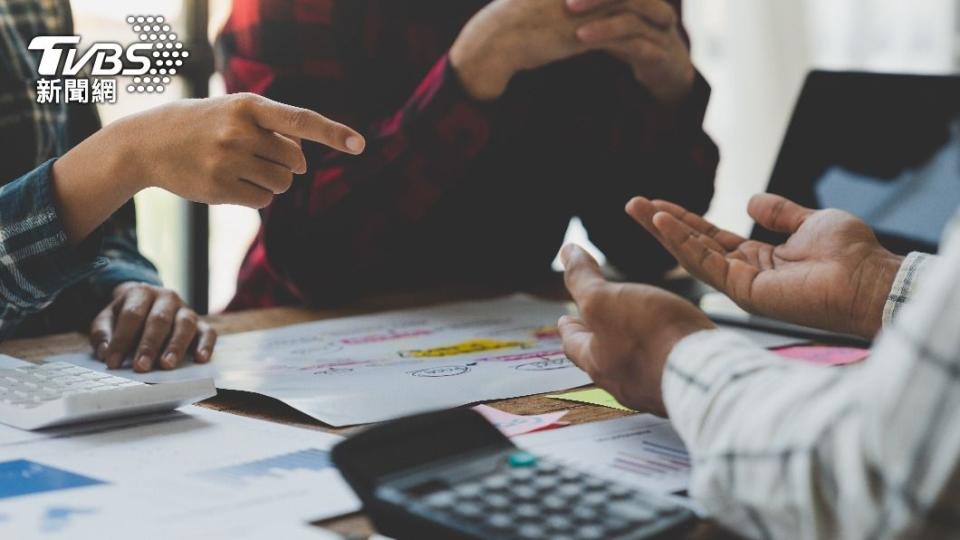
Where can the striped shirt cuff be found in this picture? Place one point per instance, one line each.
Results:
(905, 284)
(698, 366)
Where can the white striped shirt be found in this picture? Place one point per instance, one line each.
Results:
(787, 450)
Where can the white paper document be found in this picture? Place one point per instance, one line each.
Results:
(195, 473)
(642, 450)
(372, 368)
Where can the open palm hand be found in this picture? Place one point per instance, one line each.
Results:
(831, 273)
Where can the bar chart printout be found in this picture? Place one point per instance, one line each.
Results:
(302, 463)
(642, 450)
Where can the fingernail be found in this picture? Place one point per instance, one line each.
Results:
(169, 360)
(355, 144)
(114, 361)
(143, 363)
(102, 351)
(202, 355)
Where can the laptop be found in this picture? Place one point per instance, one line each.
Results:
(885, 147)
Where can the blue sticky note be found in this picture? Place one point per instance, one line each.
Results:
(23, 477)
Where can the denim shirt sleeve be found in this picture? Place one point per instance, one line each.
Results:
(37, 262)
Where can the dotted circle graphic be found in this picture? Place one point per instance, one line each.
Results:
(167, 55)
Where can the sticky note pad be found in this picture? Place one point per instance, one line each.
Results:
(594, 396)
(516, 424)
(824, 356)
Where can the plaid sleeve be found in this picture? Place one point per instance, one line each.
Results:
(909, 275)
(357, 207)
(36, 261)
(782, 450)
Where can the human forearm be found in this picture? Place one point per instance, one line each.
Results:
(93, 180)
(787, 450)
(239, 149)
(776, 451)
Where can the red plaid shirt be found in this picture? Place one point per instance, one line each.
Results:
(449, 189)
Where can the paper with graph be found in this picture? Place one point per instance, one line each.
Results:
(642, 450)
(366, 369)
(189, 474)
(372, 368)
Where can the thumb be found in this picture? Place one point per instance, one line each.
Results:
(576, 341)
(775, 213)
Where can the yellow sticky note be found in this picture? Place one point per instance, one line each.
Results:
(594, 396)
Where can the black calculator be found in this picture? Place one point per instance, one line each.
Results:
(452, 475)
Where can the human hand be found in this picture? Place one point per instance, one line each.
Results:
(645, 34)
(167, 329)
(831, 273)
(625, 332)
(238, 149)
(508, 36)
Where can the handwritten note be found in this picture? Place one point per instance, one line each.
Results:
(824, 356)
(515, 424)
(593, 396)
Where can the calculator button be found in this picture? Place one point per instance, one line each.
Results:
(500, 522)
(549, 467)
(468, 510)
(593, 482)
(521, 475)
(585, 515)
(468, 491)
(531, 532)
(526, 511)
(524, 493)
(441, 500)
(496, 482)
(632, 511)
(570, 474)
(522, 459)
(570, 491)
(497, 502)
(554, 503)
(618, 491)
(593, 499)
(545, 483)
(559, 523)
(616, 525)
(591, 532)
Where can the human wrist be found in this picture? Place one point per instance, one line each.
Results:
(483, 72)
(672, 334)
(873, 292)
(125, 162)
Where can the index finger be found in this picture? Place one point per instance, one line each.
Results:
(581, 271)
(293, 121)
(728, 240)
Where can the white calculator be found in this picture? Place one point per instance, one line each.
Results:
(45, 395)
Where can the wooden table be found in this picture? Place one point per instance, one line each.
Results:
(247, 404)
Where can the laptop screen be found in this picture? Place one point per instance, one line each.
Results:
(883, 147)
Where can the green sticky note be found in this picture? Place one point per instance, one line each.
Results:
(594, 396)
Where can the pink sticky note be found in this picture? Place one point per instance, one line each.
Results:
(515, 424)
(824, 356)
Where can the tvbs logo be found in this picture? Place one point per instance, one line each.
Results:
(69, 75)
